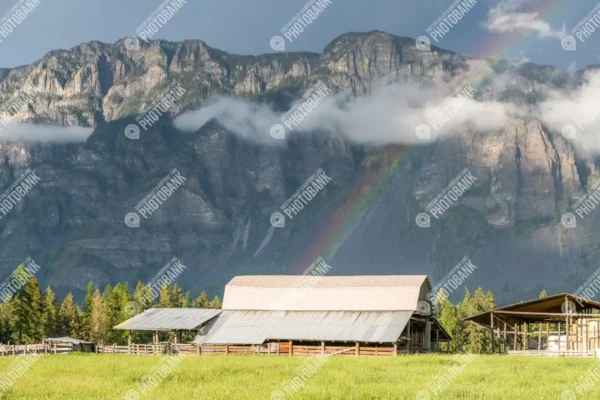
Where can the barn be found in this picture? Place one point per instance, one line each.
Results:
(296, 315)
(310, 315)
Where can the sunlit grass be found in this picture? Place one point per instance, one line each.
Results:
(91, 376)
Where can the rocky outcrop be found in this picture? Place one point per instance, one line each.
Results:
(72, 223)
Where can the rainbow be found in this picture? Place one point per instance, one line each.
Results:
(352, 203)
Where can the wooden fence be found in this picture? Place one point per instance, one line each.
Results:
(134, 349)
(45, 348)
(273, 349)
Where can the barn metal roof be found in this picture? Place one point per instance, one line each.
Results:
(326, 293)
(255, 327)
(166, 319)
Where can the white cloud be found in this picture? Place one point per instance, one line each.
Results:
(27, 132)
(578, 109)
(389, 115)
(509, 16)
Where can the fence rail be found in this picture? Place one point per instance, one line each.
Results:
(272, 349)
(44, 348)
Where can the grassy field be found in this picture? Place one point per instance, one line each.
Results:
(80, 376)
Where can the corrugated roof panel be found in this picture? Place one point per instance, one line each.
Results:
(165, 319)
(255, 327)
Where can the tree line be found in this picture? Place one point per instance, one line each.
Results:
(32, 314)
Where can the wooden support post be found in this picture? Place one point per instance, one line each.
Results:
(226, 349)
(585, 334)
(395, 349)
(198, 350)
(357, 352)
(559, 338)
(547, 335)
(568, 325)
(323, 348)
(291, 350)
(516, 330)
(408, 338)
(504, 342)
(492, 330)
(540, 338)
(525, 337)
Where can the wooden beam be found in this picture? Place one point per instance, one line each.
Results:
(541, 314)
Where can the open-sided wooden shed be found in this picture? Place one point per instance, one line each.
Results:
(563, 324)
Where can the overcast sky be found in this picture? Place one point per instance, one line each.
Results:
(531, 28)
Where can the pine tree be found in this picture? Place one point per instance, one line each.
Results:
(177, 296)
(187, 300)
(36, 309)
(202, 301)
(165, 299)
(49, 320)
(70, 319)
(87, 308)
(6, 315)
(99, 319)
(216, 303)
(143, 296)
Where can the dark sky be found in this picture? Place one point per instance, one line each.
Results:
(529, 27)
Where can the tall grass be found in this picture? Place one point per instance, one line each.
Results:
(91, 376)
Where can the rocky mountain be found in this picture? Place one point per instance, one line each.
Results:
(217, 223)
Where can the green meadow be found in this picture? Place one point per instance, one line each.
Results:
(92, 376)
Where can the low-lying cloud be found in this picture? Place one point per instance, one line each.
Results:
(392, 114)
(406, 113)
(27, 132)
(576, 113)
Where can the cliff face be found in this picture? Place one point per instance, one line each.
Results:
(72, 223)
